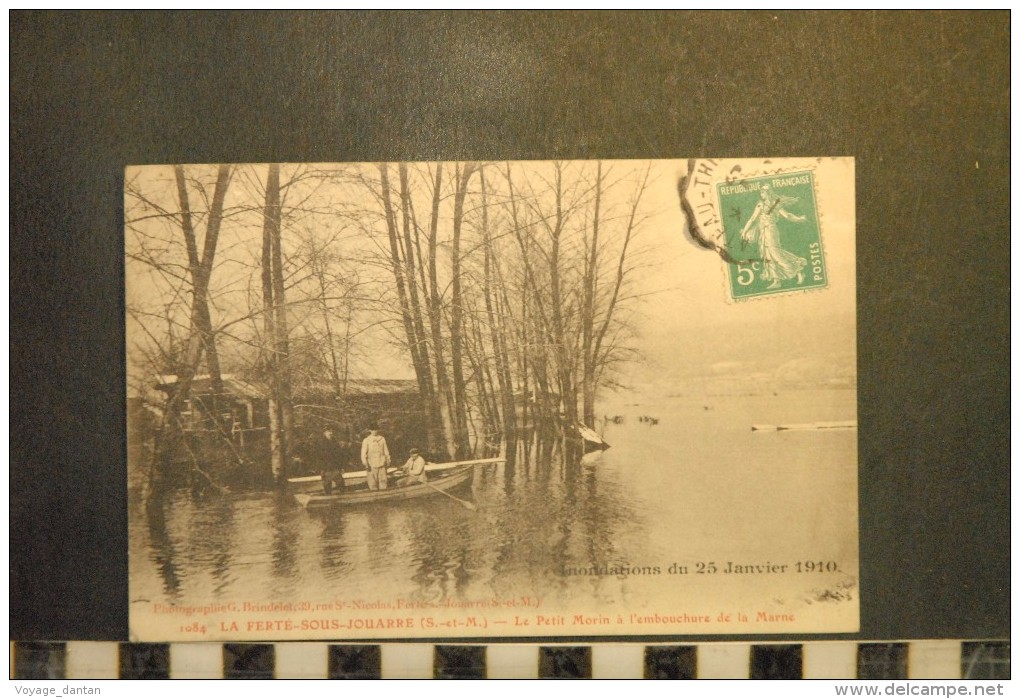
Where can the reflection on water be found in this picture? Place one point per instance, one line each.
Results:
(697, 478)
(162, 547)
(284, 540)
(530, 519)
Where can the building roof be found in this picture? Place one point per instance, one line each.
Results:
(381, 386)
(240, 388)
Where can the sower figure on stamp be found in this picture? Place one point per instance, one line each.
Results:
(375, 457)
(778, 264)
(414, 469)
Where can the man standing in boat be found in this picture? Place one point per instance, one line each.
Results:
(375, 457)
(328, 457)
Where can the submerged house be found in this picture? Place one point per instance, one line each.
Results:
(235, 419)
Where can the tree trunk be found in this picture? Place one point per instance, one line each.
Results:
(269, 339)
(412, 268)
(487, 400)
(200, 268)
(282, 328)
(275, 321)
(201, 337)
(318, 265)
(588, 308)
(443, 391)
(398, 267)
(457, 313)
(534, 346)
(564, 368)
(497, 327)
(599, 356)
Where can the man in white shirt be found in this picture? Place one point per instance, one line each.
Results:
(375, 457)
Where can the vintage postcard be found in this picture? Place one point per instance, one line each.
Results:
(491, 399)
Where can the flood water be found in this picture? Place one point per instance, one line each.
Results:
(698, 485)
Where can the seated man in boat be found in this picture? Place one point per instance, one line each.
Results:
(414, 470)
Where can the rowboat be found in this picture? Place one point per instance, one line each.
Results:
(353, 479)
(442, 485)
(592, 440)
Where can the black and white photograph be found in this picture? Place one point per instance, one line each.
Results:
(491, 399)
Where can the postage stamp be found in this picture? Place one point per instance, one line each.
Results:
(772, 233)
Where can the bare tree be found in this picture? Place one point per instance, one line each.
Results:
(462, 176)
(507, 286)
(281, 415)
(492, 286)
(200, 336)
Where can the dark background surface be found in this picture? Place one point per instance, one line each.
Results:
(920, 99)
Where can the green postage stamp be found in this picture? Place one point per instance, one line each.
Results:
(772, 234)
